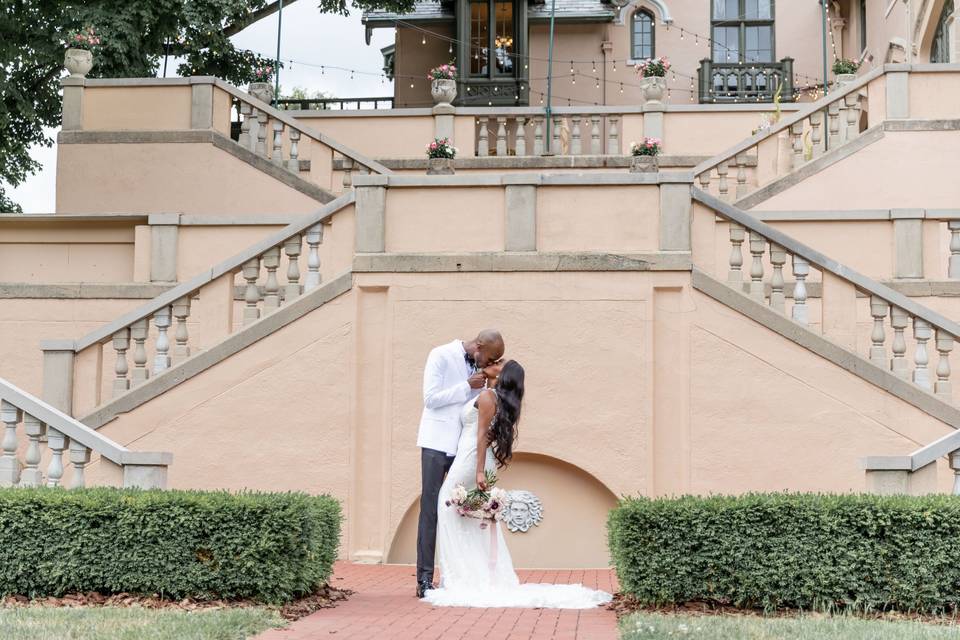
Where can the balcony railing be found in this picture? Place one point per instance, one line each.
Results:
(745, 81)
(334, 104)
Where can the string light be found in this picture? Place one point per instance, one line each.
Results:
(594, 66)
(423, 40)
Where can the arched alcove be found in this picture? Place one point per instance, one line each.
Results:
(573, 532)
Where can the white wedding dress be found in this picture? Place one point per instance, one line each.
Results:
(475, 565)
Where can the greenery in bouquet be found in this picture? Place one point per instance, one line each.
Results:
(477, 503)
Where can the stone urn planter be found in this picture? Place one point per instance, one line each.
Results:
(78, 62)
(843, 79)
(653, 88)
(443, 91)
(262, 91)
(644, 164)
(440, 167)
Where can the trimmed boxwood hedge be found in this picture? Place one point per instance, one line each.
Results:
(806, 551)
(270, 547)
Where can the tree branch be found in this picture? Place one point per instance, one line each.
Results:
(256, 16)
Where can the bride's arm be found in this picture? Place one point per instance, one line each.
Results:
(487, 406)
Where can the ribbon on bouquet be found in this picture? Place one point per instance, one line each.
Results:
(493, 546)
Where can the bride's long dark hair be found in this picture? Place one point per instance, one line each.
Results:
(503, 429)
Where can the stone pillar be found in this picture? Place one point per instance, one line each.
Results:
(371, 209)
(58, 362)
(201, 105)
(653, 122)
(164, 230)
(145, 469)
(888, 482)
(443, 121)
(72, 103)
(898, 95)
(675, 216)
(521, 213)
(907, 243)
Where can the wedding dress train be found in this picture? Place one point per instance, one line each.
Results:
(475, 565)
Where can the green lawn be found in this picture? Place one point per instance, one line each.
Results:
(644, 626)
(115, 623)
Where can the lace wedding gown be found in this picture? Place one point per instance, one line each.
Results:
(475, 565)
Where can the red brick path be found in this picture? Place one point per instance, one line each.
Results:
(383, 606)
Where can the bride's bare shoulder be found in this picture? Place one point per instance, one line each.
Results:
(487, 399)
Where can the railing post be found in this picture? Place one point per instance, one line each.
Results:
(313, 237)
(943, 387)
(32, 476)
(898, 94)
(59, 357)
(953, 267)
(9, 465)
(201, 105)
(898, 363)
(675, 217)
(800, 312)
(371, 211)
(164, 231)
(520, 195)
(921, 334)
(878, 352)
(443, 121)
(955, 465)
(72, 114)
(908, 242)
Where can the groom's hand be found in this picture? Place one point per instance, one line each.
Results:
(477, 381)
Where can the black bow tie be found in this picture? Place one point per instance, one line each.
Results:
(470, 361)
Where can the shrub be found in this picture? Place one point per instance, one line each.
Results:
(804, 551)
(842, 65)
(270, 547)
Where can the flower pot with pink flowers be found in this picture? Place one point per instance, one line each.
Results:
(262, 86)
(443, 83)
(645, 155)
(440, 154)
(80, 49)
(653, 79)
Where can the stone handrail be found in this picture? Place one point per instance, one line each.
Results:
(42, 423)
(898, 469)
(841, 285)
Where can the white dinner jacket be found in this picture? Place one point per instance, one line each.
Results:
(445, 391)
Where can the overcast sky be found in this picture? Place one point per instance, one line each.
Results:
(308, 36)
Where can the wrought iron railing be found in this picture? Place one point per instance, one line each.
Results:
(334, 104)
(745, 81)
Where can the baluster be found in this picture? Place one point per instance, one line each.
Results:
(251, 295)
(271, 298)
(181, 348)
(34, 429)
(595, 147)
(277, 156)
(262, 118)
(758, 245)
(161, 360)
(944, 347)
(878, 352)
(121, 342)
(483, 143)
(705, 180)
(314, 237)
(953, 267)
(56, 442)
(576, 146)
(955, 465)
(796, 138)
(722, 169)
(80, 457)
(800, 311)
(520, 137)
(735, 275)
(898, 365)
(613, 136)
(741, 175)
(816, 135)
(778, 257)
(245, 119)
(852, 103)
(292, 248)
(538, 135)
(9, 465)
(501, 137)
(293, 164)
(139, 331)
(555, 148)
(833, 116)
(921, 334)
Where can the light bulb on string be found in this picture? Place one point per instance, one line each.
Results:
(598, 83)
(411, 85)
(571, 67)
(423, 39)
(594, 67)
(681, 34)
(614, 66)
(322, 70)
(450, 48)
(621, 87)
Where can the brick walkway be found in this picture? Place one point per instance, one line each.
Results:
(383, 606)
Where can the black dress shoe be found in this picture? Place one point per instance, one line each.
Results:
(422, 588)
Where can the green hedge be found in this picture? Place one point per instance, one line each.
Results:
(791, 550)
(270, 547)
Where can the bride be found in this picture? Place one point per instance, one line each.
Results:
(475, 565)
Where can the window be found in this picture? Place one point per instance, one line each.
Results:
(642, 35)
(863, 25)
(742, 30)
(492, 29)
(940, 51)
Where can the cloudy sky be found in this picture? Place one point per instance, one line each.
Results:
(308, 38)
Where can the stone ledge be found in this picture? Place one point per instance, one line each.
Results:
(83, 291)
(519, 262)
(539, 162)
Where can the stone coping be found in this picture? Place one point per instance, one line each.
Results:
(541, 162)
(500, 262)
(939, 448)
(34, 218)
(811, 215)
(177, 219)
(492, 112)
(535, 179)
(83, 290)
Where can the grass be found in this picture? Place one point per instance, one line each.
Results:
(134, 623)
(652, 626)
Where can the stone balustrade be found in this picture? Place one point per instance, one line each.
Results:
(568, 132)
(904, 334)
(41, 446)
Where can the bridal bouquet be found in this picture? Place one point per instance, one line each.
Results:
(476, 503)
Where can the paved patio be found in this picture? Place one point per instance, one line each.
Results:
(383, 606)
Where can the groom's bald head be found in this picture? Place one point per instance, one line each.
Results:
(489, 347)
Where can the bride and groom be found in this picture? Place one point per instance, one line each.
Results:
(472, 399)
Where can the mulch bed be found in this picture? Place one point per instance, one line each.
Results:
(325, 598)
(625, 604)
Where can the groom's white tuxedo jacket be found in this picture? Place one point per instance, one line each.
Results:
(445, 391)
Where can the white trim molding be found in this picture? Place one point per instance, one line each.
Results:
(659, 5)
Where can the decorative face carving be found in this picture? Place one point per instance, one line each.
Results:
(525, 511)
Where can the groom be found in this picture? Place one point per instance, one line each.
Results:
(453, 375)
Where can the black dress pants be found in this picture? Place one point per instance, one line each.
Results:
(433, 467)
